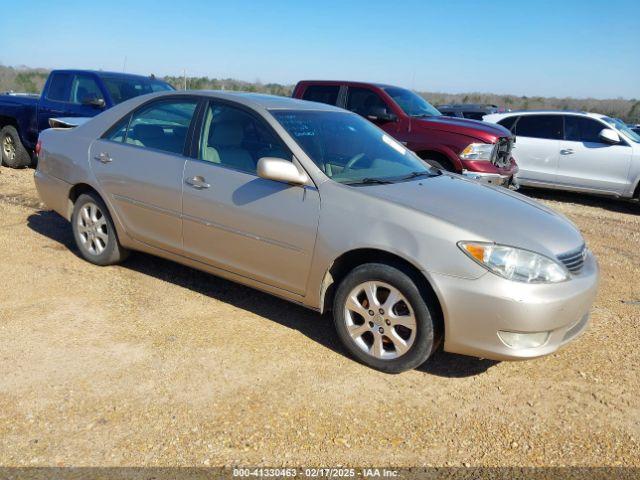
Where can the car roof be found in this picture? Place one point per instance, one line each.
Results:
(519, 113)
(259, 100)
(467, 105)
(348, 82)
(102, 73)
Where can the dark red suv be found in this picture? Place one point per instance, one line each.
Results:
(477, 149)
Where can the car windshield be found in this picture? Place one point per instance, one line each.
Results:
(123, 88)
(623, 127)
(350, 149)
(411, 103)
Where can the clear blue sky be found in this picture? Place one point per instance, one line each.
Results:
(537, 47)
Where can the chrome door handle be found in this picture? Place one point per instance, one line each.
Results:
(566, 151)
(198, 182)
(103, 158)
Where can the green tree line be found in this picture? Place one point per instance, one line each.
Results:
(31, 80)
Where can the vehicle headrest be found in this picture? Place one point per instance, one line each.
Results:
(143, 131)
(226, 134)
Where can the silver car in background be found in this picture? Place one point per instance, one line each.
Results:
(318, 206)
(576, 151)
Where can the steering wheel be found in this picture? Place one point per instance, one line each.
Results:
(353, 161)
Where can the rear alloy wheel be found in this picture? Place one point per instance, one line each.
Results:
(383, 319)
(94, 232)
(12, 152)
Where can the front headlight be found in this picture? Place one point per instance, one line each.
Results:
(478, 151)
(514, 263)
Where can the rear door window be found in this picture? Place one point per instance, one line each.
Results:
(59, 87)
(163, 126)
(84, 87)
(540, 126)
(322, 93)
(582, 129)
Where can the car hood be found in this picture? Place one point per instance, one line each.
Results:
(487, 132)
(487, 213)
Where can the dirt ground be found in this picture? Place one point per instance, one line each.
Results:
(155, 364)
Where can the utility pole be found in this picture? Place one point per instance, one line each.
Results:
(124, 65)
(184, 73)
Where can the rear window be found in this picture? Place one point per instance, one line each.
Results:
(322, 93)
(540, 126)
(59, 84)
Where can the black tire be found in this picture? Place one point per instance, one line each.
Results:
(90, 242)
(9, 138)
(425, 340)
(439, 162)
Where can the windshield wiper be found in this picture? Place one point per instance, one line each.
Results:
(423, 173)
(369, 181)
(422, 115)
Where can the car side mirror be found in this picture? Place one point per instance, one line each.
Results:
(281, 170)
(93, 101)
(380, 114)
(610, 136)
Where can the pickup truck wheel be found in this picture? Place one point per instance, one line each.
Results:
(382, 318)
(94, 232)
(14, 154)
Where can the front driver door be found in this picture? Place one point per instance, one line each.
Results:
(139, 164)
(586, 162)
(237, 221)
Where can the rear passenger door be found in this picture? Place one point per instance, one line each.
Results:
(589, 163)
(139, 163)
(537, 147)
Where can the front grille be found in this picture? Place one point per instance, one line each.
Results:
(502, 152)
(574, 260)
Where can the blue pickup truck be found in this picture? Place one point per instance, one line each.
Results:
(67, 93)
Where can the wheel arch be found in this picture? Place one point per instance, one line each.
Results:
(440, 155)
(82, 187)
(75, 191)
(346, 262)
(6, 121)
(636, 192)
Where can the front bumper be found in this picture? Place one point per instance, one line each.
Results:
(496, 179)
(488, 173)
(476, 310)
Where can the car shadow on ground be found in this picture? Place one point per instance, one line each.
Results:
(630, 207)
(318, 328)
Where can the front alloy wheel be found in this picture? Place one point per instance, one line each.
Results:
(380, 320)
(383, 318)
